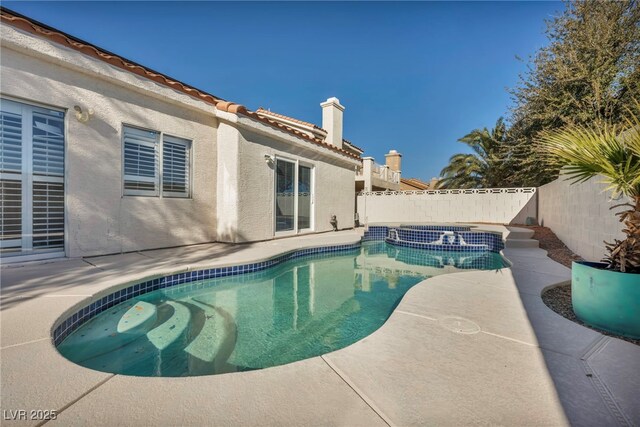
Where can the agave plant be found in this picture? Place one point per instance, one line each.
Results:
(613, 153)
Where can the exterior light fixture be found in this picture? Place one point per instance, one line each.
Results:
(269, 159)
(83, 116)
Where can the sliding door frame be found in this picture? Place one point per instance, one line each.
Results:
(296, 230)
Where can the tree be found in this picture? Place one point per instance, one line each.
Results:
(486, 167)
(613, 154)
(587, 75)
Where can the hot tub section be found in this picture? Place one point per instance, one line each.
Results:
(437, 237)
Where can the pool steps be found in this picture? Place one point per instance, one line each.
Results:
(168, 332)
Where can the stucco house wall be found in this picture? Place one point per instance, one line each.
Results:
(99, 219)
(246, 182)
(580, 215)
(232, 197)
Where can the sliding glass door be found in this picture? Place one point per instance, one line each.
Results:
(31, 179)
(285, 195)
(294, 196)
(304, 197)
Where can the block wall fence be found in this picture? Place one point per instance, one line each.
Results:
(494, 205)
(578, 214)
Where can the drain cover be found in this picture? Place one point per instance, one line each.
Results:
(459, 325)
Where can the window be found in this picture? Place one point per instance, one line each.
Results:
(145, 157)
(175, 167)
(140, 162)
(32, 149)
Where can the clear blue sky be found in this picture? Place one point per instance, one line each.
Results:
(413, 76)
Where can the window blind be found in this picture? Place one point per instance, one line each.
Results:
(11, 181)
(175, 166)
(140, 162)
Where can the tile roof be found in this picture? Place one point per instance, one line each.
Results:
(282, 116)
(415, 182)
(32, 26)
(308, 124)
(352, 144)
(37, 28)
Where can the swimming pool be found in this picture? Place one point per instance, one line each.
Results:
(300, 308)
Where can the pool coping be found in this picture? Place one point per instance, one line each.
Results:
(109, 297)
(527, 262)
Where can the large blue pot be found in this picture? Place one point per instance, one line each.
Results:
(606, 299)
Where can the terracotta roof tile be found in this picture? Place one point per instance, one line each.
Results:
(415, 182)
(29, 25)
(352, 144)
(317, 141)
(34, 27)
(282, 116)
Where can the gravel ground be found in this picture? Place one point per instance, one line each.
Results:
(558, 298)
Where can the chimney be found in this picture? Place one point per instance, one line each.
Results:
(332, 121)
(393, 160)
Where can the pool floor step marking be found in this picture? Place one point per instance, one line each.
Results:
(138, 318)
(100, 334)
(209, 341)
(168, 332)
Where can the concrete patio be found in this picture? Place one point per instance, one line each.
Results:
(478, 347)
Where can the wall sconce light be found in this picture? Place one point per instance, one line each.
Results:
(269, 159)
(83, 116)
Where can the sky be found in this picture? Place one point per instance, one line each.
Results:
(413, 76)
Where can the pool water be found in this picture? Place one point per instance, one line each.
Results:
(299, 309)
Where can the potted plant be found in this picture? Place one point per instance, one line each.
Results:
(607, 294)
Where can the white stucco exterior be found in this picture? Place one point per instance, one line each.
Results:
(246, 206)
(502, 206)
(232, 187)
(99, 219)
(580, 215)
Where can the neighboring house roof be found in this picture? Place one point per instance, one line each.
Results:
(32, 26)
(415, 183)
(353, 145)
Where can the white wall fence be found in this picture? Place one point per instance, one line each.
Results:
(579, 215)
(495, 205)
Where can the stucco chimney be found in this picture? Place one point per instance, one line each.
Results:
(393, 160)
(332, 120)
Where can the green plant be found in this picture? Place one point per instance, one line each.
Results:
(486, 167)
(613, 153)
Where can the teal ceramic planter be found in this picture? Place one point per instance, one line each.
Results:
(606, 299)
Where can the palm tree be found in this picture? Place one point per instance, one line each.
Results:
(613, 153)
(486, 167)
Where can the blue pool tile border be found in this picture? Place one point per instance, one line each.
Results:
(417, 236)
(81, 316)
